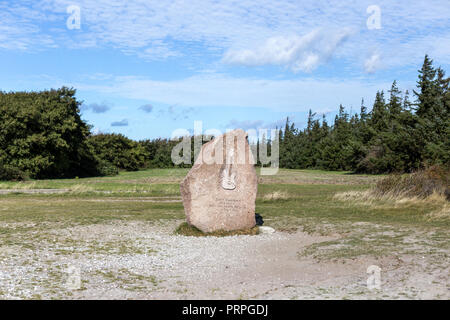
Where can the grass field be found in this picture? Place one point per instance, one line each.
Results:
(42, 234)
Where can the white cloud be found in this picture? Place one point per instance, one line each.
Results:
(256, 124)
(308, 64)
(146, 108)
(249, 31)
(96, 107)
(245, 124)
(226, 91)
(121, 123)
(299, 53)
(372, 63)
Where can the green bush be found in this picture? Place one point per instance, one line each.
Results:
(11, 173)
(43, 134)
(118, 151)
(107, 169)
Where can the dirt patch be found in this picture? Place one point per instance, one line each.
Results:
(34, 191)
(145, 260)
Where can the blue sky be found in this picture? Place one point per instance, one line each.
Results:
(146, 68)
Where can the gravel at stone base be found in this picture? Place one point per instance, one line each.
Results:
(180, 256)
(155, 264)
(193, 267)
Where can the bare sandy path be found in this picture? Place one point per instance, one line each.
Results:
(33, 191)
(138, 260)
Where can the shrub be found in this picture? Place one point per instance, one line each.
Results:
(118, 151)
(107, 169)
(42, 133)
(421, 184)
(11, 173)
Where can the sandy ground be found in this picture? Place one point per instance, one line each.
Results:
(33, 191)
(139, 260)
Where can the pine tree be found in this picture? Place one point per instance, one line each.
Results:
(379, 115)
(325, 126)
(432, 112)
(426, 96)
(363, 111)
(406, 103)
(311, 116)
(395, 102)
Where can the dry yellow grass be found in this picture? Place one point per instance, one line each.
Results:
(441, 214)
(18, 185)
(81, 188)
(371, 199)
(368, 197)
(276, 195)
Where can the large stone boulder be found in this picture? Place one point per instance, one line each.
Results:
(219, 192)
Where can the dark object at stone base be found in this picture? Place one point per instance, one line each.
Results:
(259, 220)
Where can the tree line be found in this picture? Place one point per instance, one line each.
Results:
(397, 135)
(43, 136)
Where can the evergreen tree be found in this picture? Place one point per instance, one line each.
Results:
(363, 111)
(42, 135)
(427, 94)
(395, 102)
(379, 115)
